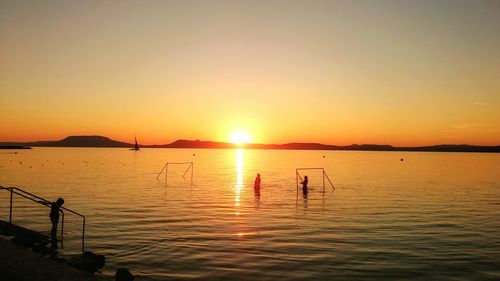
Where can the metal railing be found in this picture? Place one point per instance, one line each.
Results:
(44, 202)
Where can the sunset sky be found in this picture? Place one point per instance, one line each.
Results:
(336, 72)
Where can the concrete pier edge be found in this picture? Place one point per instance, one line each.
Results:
(18, 263)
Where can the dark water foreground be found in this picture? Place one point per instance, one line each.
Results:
(433, 216)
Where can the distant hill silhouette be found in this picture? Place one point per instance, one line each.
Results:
(33, 143)
(73, 141)
(319, 146)
(100, 141)
(198, 144)
(88, 141)
(452, 148)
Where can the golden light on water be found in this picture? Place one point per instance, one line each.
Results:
(239, 176)
(242, 234)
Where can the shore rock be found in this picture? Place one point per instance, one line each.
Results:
(122, 274)
(87, 261)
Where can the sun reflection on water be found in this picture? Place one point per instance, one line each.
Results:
(239, 176)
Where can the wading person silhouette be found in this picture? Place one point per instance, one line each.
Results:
(256, 185)
(54, 219)
(304, 185)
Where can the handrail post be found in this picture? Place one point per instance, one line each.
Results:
(83, 235)
(62, 230)
(192, 168)
(10, 208)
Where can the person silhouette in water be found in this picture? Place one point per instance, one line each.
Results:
(54, 219)
(304, 185)
(256, 185)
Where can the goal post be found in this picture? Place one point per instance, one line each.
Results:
(298, 177)
(190, 167)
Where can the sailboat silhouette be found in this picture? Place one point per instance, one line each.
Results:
(136, 146)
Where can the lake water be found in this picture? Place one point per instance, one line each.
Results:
(433, 216)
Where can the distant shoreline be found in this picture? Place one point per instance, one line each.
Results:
(104, 142)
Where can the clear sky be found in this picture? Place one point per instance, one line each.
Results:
(338, 72)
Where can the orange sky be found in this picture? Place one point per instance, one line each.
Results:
(337, 72)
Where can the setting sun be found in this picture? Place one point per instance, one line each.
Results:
(240, 137)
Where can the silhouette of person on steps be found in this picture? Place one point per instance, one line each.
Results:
(54, 219)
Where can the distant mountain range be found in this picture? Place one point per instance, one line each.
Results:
(100, 141)
(73, 141)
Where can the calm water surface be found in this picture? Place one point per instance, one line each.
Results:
(433, 216)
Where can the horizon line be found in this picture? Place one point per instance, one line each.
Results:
(253, 143)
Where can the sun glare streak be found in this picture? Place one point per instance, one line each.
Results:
(239, 176)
